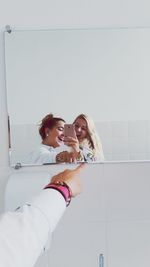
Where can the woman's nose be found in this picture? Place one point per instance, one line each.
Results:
(79, 129)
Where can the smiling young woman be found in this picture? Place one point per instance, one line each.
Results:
(51, 130)
(89, 141)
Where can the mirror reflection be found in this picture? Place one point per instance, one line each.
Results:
(102, 74)
(67, 143)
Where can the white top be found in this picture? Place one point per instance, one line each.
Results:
(24, 233)
(44, 154)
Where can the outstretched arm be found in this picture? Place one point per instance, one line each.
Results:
(24, 233)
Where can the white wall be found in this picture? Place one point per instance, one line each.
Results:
(60, 14)
(79, 13)
(121, 140)
(73, 13)
(101, 72)
(71, 63)
(111, 216)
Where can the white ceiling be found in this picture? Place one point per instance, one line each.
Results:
(75, 13)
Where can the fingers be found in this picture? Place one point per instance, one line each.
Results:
(63, 157)
(76, 170)
(71, 178)
(79, 168)
(69, 171)
(69, 139)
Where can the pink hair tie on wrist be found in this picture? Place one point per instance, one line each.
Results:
(63, 188)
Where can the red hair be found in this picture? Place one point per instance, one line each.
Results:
(49, 121)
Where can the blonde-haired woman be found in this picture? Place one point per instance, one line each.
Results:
(89, 141)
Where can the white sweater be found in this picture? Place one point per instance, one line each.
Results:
(24, 233)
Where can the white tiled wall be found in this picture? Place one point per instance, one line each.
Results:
(125, 140)
(128, 244)
(110, 217)
(121, 140)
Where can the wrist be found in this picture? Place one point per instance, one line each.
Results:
(80, 156)
(63, 188)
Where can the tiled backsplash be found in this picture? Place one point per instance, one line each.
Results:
(121, 140)
(125, 140)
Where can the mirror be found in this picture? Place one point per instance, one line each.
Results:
(100, 72)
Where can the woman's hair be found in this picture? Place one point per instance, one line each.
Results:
(49, 121)
(92, 140)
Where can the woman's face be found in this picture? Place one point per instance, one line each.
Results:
(55, 136)
(81, 129)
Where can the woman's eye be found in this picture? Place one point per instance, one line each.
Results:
(60, 128)
(77, 126)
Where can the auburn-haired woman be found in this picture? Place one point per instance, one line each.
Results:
(51, 131)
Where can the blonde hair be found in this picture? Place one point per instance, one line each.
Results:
(92, 140)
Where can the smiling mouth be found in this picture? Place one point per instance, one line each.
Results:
(61, 139)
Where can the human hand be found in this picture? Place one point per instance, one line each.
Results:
(65, 156)
(71, 178)
(72, 142)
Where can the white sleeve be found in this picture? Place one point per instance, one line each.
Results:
(48, 157)
(23, 234)
(41, 157)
